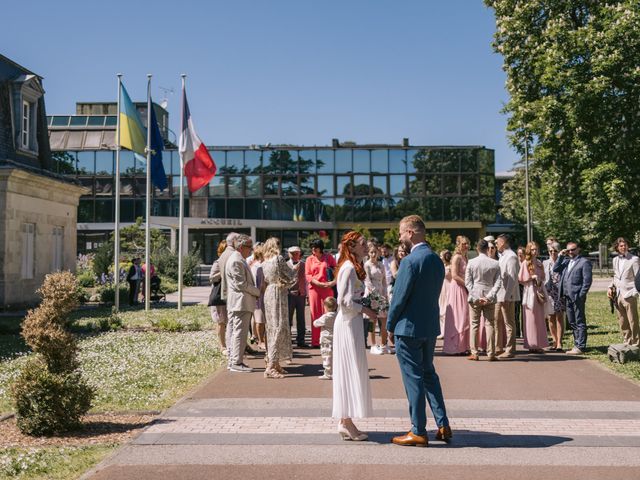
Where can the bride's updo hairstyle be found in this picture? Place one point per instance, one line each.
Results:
(348, 242)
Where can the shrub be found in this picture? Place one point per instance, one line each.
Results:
(50, 394)
(168, 324)
(48, 403)
(103, 259)
(166, 263)
(107, 294)
(86, 279)
(111, 322)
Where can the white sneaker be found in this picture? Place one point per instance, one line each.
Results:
(377, 350)
(574, 351)
(388, 350)
(240, 367)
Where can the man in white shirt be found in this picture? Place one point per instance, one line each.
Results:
(297, 295)
(623, 291)
(508, 295)
(482, 279)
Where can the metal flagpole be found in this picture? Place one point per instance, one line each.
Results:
(116, 239)
(526, 188)
(147, 228)
(181, 215)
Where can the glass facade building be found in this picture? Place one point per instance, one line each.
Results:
(345, 184)
(451, 187)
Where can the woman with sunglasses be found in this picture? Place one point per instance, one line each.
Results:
(556, 319)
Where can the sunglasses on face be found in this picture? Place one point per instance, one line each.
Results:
(571, 249)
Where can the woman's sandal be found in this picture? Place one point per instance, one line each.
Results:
(271, 373)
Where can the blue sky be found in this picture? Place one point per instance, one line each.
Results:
(279, 71)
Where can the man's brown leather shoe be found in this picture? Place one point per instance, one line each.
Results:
(444, 433)
(411, 440)
(473, 356)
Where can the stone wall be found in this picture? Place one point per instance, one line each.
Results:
(27, 197)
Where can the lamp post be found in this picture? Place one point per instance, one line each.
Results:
(526, 188)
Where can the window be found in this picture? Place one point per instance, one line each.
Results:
(26, 125)
(28, 250)
(57, 258)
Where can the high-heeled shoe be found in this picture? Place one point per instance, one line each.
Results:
(347, 435)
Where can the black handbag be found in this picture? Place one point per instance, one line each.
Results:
(215, 296)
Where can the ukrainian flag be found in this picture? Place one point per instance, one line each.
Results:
(133, 135)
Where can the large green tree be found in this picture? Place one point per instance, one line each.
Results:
(573, 76)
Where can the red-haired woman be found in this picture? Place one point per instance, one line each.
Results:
(351, 389)
(531, 277)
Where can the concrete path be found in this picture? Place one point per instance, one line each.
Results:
(532, 417)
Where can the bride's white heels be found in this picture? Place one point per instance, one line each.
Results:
(347, 435)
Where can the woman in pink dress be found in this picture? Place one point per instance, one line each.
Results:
(318, 267)
(456, 320)
(443, 301)
(532, 278)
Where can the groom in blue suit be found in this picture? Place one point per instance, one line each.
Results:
(414, 321)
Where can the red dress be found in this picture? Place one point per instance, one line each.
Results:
(317, 270)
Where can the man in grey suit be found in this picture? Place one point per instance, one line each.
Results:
(575, 281)
(482, 279)
(241, 294)
(623, 291)
(222, 262)
(508, 295)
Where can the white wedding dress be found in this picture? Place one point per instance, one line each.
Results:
(351, 388)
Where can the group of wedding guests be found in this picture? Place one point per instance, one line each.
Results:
(479, 297)
(256, 291)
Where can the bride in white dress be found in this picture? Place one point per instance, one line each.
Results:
(351, 389)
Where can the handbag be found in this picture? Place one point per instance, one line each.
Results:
(215, 296)
(541, 297)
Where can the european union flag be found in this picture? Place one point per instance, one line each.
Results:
(158, 176)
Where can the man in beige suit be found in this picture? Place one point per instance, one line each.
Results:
(623, 291)
(508, 295)
(482, 280)
(241, 294)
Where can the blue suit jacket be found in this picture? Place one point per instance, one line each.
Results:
(574, 284)
(414, 310)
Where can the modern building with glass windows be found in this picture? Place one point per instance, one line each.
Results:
(282, 190)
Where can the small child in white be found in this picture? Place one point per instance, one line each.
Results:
(325, 323)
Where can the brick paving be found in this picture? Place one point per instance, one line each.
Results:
(534, 417)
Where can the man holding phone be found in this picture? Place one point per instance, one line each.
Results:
(575, 281)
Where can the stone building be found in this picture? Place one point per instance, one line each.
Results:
(38, 208)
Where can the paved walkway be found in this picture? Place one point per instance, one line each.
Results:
(535, 416)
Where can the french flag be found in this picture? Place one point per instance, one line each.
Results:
(198, 165)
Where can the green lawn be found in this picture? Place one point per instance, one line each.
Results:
(51, 463)
(131, 369)
(603, 330)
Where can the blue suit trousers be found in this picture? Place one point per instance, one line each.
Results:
(421, 382)
(577, 321)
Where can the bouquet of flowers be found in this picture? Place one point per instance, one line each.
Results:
(376, 302)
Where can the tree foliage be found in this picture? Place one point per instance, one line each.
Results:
(573, 76)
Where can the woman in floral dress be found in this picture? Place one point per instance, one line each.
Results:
(376, 287)
(279, 277)
(556, 319)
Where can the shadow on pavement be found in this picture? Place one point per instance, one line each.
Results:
(479, 439)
